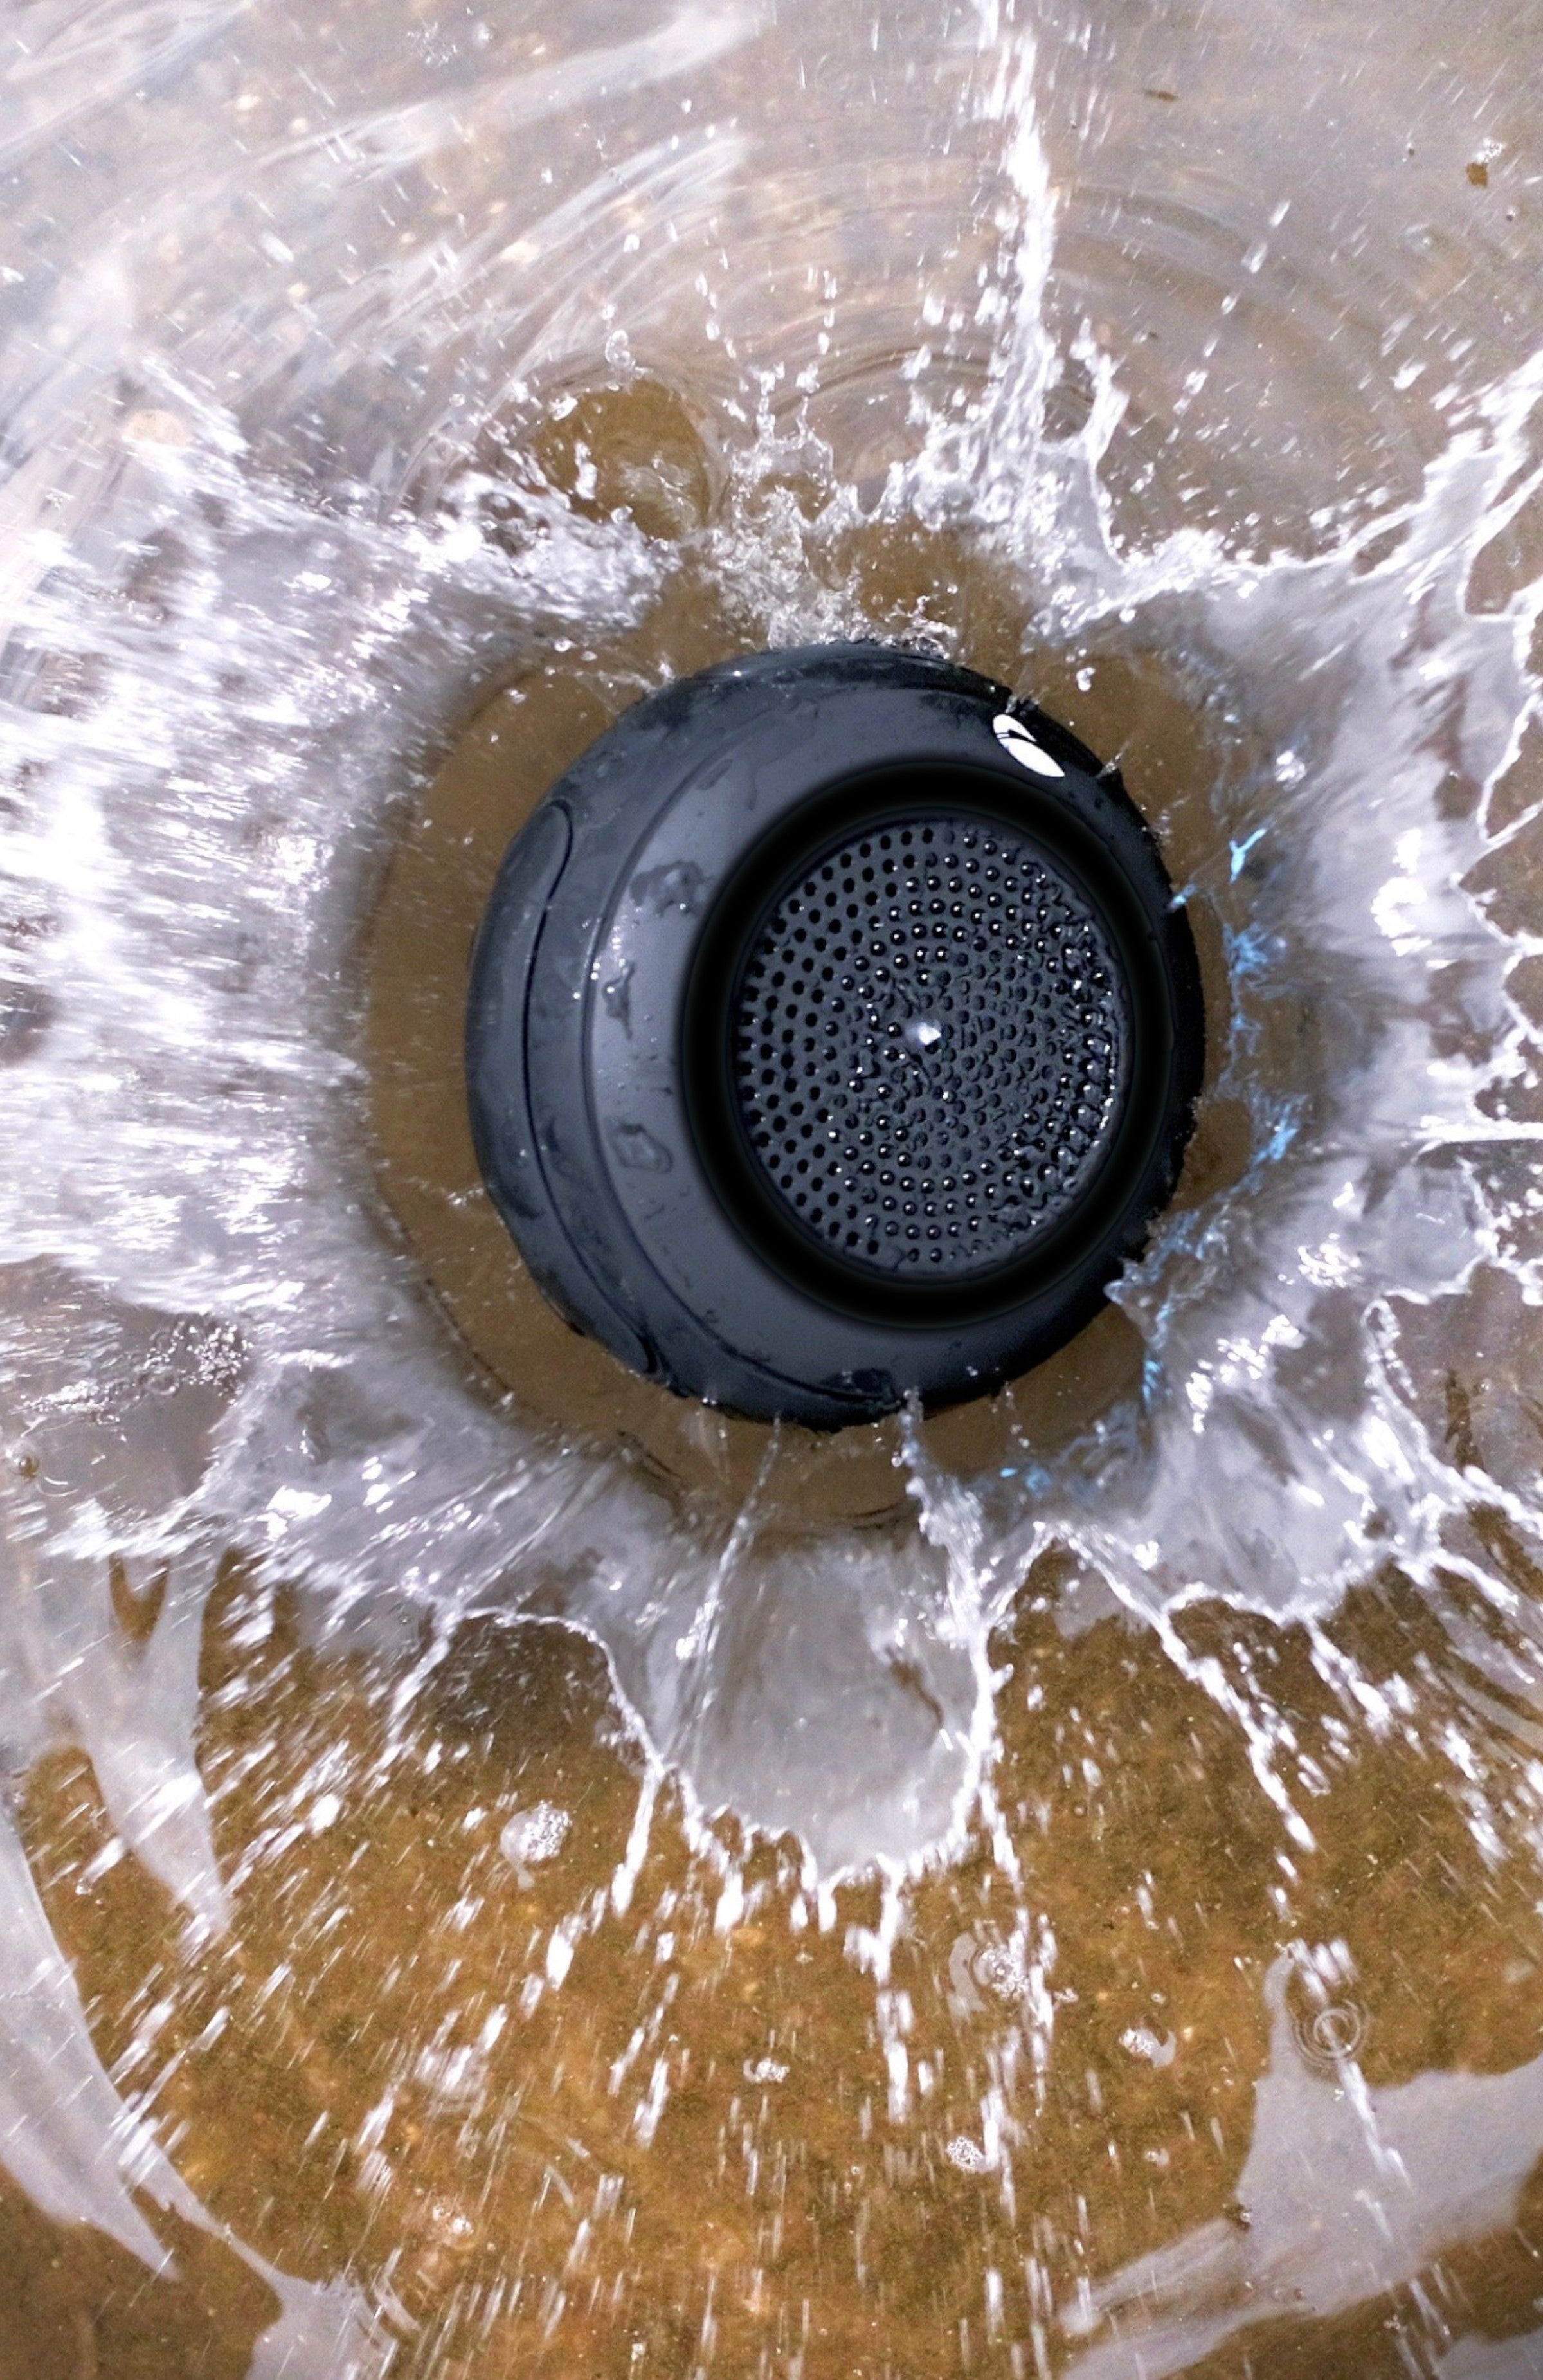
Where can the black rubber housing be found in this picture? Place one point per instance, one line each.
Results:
(603, 1015)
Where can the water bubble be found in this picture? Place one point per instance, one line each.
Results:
(1157, 2048)
(534, 1834)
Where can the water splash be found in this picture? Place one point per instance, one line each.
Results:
(249, 602)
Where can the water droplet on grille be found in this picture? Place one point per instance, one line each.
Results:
(928, 1045)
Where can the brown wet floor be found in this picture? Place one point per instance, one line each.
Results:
(553, 2135)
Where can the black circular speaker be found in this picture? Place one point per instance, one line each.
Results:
(833, 1035)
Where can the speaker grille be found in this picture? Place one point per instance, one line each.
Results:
(928, 1044)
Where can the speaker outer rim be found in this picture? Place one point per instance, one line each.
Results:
(608, 1194)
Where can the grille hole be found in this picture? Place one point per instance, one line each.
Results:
(929, 1046)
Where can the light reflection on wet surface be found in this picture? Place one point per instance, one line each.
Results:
(512, 1874)
(554, 2109)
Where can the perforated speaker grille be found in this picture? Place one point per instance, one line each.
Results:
(929, 1046)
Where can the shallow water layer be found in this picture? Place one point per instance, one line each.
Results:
(505, 1872)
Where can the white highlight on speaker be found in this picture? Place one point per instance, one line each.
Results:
(1014, 738)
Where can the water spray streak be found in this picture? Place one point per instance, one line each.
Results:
(277, 513)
